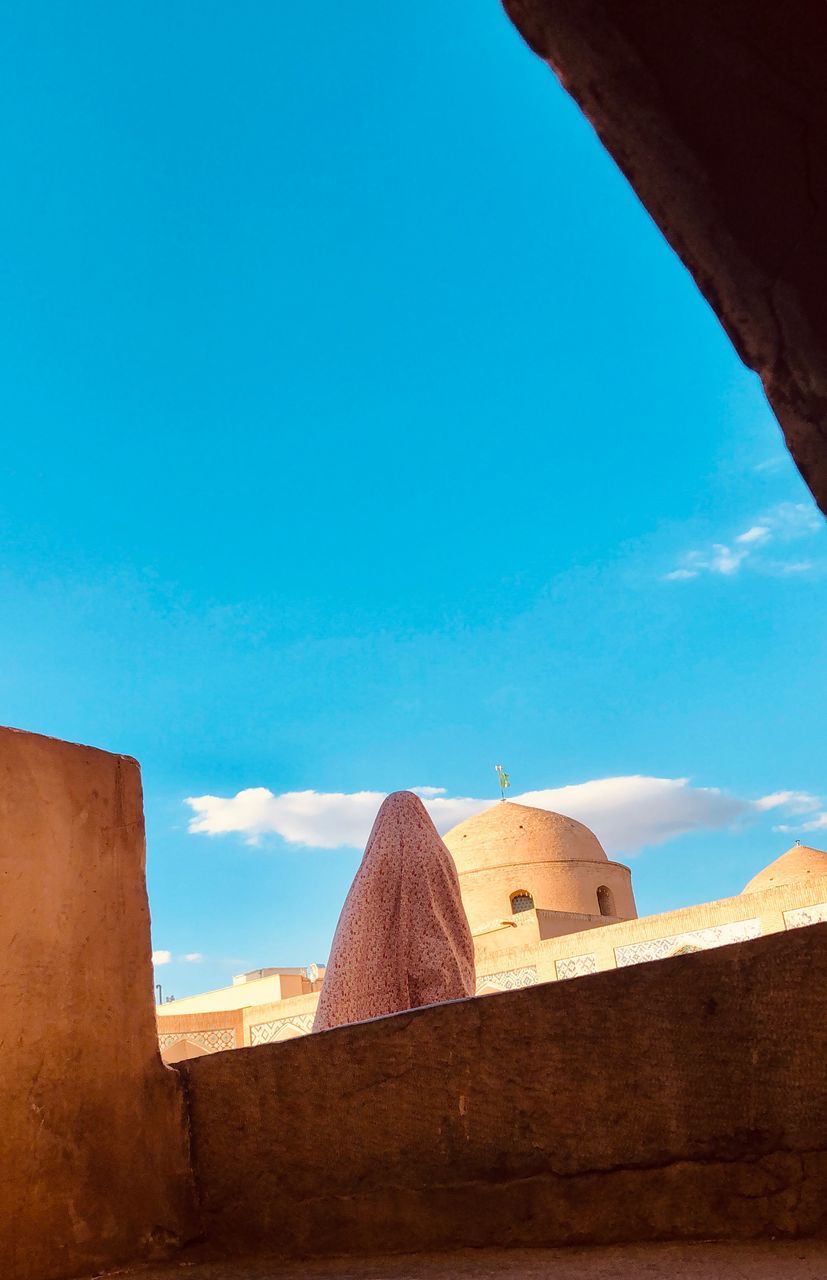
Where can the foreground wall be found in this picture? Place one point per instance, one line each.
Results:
(685, 1099)
(93, 1149)
(717, 114)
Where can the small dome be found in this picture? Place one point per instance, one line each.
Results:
(799, 863)
(514, 834)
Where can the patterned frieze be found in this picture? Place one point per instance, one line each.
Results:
(212, 1041)
(267, 1032)
(508, 979)
(800, 916)
(698, 939)
(576, 966)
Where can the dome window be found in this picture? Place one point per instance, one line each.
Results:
(606, 901)
(521, 901)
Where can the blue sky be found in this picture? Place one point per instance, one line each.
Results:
(361, 431)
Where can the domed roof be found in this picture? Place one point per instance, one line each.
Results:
(510, 834)
(799, 863)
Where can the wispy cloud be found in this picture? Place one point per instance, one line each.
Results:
(166, 957)
(757, 533)
(775, 463)
(680, 575)
(818, 822)
(792, 801)
(795, 566)
(627, 813)
(791, 520)
(798, 803)
(785, 523)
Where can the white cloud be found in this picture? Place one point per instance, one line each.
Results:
(723, 560)
(627, 813)
(161, 957)
(796, 566)
(680, 575)
(192, 957)
(800, 803)
(758, 533)
(324, 820)
(817, 823)
(794, 801)
(792, 520)
(784, 523)
(321, 820)
(773, 464)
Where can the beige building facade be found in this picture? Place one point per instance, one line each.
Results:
(544, 902)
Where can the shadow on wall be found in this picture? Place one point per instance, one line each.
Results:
(682, 1100)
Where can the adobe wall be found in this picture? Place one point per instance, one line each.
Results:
(93, 1146)
(686, 1099)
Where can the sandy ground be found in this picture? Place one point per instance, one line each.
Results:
(766, 1260)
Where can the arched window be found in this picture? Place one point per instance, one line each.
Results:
(521, 901)
(606, 901)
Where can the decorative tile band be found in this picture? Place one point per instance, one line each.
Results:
(576, 966)
(697, 940)
(268, 1032)
(816, 914)
(212, 1041)
(508, 979)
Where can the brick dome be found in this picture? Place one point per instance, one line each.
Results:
(513, 858)
(802, 862)
(515, 835)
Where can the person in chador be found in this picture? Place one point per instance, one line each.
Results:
(403, 938)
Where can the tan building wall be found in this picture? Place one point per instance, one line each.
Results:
(252, 1011)
(583, 920)
(282, 1020)
(519, 953)
(281, 984)
(189, 1035)
(487, 893)
(529, 959)
(94, 1161)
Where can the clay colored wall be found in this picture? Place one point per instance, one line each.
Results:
(93, 1149)
(557, 886)
(686, 1099)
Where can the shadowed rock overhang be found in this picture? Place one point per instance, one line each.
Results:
(717, 115)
